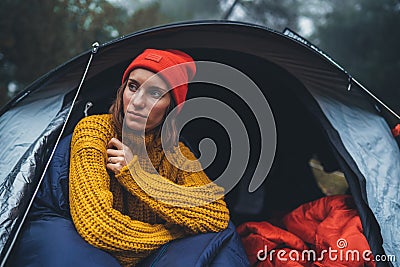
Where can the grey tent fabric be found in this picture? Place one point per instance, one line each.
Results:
(370, 143)
(367, 138)
(26, 131)
(21, 126)
(364, 133)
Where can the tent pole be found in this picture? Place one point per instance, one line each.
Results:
(376, 98)
(95, 47)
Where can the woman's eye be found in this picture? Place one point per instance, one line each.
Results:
(156, 94)
(132, 86)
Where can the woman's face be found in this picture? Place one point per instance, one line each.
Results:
(145, 100)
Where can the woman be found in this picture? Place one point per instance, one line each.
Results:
(108, 207)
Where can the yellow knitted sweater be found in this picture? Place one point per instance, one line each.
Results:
(113, 213)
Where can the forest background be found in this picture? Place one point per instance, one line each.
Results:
(363, 36)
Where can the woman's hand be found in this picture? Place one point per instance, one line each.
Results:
(118, 155)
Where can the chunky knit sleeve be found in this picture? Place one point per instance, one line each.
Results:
(194, 203)
(91, 200)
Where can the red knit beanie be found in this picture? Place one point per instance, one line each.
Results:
(160, 60)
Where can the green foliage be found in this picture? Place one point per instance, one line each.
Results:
(180, 10)
(38, 35)
(363, 37)
(144, 18)
(276, 14)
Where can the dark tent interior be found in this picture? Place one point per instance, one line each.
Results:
(290, 181)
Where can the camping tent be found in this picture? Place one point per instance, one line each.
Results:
(319, 109)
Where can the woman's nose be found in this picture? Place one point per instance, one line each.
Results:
(138, 100)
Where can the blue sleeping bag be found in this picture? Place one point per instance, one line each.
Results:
(49, 237)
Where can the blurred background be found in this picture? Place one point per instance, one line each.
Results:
(363, 36)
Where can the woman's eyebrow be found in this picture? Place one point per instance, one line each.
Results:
(132, 80)
(155, 87)
(159, 88)
(164, 90)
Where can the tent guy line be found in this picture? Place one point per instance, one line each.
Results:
(95, 47)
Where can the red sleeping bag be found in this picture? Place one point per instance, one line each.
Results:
(325, 232)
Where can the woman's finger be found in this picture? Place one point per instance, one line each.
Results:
(115, 160)
(115, 152)
(114, 142)
(115, 168)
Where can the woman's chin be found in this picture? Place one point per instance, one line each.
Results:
(135, 126)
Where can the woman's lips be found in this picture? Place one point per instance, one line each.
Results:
(138, 115)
